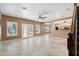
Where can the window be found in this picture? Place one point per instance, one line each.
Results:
(37, 29)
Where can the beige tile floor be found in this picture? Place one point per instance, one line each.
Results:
(61, 33)
(45, 45)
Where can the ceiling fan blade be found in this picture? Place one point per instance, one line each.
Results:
(42, 18)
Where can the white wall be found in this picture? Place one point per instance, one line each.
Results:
(52, 27)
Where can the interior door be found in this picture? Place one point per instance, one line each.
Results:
(24, 30)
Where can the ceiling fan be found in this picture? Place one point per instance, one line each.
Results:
(43, 13)
(42, 17)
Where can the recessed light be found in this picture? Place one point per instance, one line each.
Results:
(24, 8)
(68, 9)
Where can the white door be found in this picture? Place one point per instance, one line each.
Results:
(24, 30)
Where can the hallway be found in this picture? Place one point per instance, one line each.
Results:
(43, 45)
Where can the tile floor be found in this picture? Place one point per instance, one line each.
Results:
(45, 45)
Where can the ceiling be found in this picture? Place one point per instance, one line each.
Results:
(31, 10)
